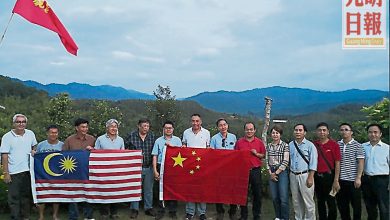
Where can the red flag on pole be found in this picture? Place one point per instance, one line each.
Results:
(40, 13)
(205, 175)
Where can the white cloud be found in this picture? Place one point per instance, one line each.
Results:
(123, 55)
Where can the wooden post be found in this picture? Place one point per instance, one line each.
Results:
(267, 118)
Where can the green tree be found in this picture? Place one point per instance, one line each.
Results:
(163, 108)
(377, 113)
(100, 113)
(60, 113)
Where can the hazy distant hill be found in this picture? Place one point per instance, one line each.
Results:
(286, 101)
(86, 91)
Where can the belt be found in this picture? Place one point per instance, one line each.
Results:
(299, 173)
(377, 176)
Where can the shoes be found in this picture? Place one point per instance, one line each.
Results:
(115, 216)
(133, 213)
(189, 216)
(159, 216)
(172, 215)
(202, 217)
(220, 216)
(150, 212)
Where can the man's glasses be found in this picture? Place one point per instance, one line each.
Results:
(344, 129)
(20, 122)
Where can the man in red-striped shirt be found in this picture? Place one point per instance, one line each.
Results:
(254, 146)
(326, 179)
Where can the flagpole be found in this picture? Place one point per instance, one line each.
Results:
(6, 28)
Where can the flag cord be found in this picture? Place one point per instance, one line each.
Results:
(6, 28)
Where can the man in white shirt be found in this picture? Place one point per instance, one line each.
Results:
(375, 182)
(196, 137)
(16, 146)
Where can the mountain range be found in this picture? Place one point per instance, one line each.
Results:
(286, 101)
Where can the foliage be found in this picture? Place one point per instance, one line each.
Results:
(60, 113)
(3, 192)
(377, 113)
(163, 108)
(100, 113)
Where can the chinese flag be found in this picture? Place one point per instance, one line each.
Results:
(40, 13)
(205, 175)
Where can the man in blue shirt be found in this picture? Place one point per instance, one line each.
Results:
(168, 139)
(303, 164)
(225, 141)
(375, 182)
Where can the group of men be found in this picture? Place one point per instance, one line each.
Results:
(339, 172)
(325, 167)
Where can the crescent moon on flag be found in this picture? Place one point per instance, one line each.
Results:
(47, 167)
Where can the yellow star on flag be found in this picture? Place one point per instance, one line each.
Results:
(197, 167)
(178, 160)
(192, 172)
(193, 153)
(198, 158)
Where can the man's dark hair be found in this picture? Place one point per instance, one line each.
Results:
(52, 127)
(168, 123)
(375, 125)
(196, 114)
(219, 120)
(323, 124)
(277, 128)
(304, 126)
(346, 124)
(250, 122)
(143, 120)
(80, 121)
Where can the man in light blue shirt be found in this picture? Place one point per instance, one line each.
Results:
(375, 182)
(52, 144)
(168, 139)
(225, 141)
(110, 141)
(302, 169)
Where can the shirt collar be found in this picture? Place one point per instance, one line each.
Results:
(352, 140)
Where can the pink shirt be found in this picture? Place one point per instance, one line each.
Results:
(244, 144)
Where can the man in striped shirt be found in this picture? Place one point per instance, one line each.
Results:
(351, 169)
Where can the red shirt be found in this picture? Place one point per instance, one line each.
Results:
(244, 144)
(331, 150)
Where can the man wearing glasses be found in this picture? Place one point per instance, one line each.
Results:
(257, 149)
(351, 169)
(224, 141)
(168, 139)
(16, 146)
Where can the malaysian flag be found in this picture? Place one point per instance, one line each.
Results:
(99, 176)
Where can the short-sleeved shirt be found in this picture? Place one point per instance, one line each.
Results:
(309, 151)
(218, 142)
(257, 144)
(331, 150)
(198, 140)
(105, 142)
(74, 142)
(350, 153)
(376, 159)
(45, 146)
(160, 145)
(135, 142)
(18, 148)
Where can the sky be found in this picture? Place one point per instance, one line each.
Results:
(193, 46)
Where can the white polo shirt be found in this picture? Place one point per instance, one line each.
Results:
(18, 148)
(198, 140)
